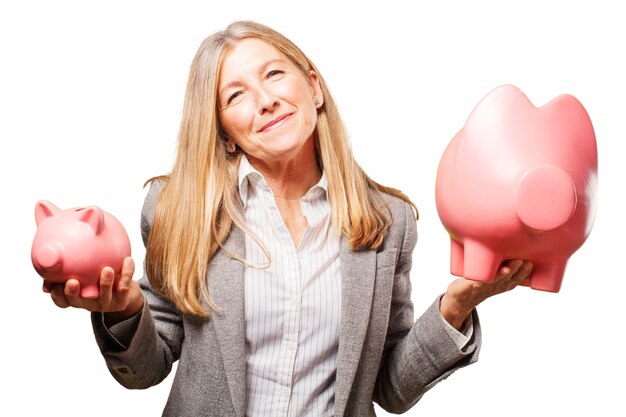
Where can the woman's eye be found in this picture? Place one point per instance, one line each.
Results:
(233, 97)
(273, 73)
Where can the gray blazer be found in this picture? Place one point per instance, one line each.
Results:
(384, 356)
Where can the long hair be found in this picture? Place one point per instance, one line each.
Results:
(200, 199)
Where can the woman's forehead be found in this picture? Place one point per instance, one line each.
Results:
(250, 52)
(247, 56)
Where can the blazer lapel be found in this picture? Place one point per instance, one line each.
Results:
(226, 281)
(358, 273)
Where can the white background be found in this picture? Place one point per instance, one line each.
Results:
(90, 100)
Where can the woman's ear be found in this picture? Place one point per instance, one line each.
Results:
(318, 96)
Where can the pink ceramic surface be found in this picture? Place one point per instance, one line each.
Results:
(519, 182)
(77, 243)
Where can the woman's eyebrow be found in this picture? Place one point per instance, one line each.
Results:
(270, 62)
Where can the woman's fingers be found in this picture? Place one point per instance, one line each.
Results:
(514, 270)
(509, 276)
(507, 269)
(107, 279)
(47, 286)
(466, 294)
(126, 276)
(113, 295)
(523, 272)
(57, 293)
(71, 292)
(518, 272)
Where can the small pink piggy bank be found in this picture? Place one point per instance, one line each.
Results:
(77, 243)
(519, 182)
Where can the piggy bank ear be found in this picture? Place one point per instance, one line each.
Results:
(546, 198)
(502, 113)
(94, 217)
(43, 210)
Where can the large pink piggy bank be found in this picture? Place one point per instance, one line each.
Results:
(77, 243)
(519, 182)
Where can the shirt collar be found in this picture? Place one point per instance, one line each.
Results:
(249, 176)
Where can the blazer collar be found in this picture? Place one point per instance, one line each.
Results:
(357, 282)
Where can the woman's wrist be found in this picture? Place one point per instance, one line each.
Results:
(135, 305)
(454, 312)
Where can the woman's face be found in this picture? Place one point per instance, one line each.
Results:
(267, 106)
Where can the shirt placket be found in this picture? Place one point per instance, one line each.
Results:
(292, 316)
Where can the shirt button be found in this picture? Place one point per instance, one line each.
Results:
(291, 345)
(284, 391)
(293, 301)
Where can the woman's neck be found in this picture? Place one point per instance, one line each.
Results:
(290, 180)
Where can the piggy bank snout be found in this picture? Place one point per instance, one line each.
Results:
(50, 256)
(546, 198)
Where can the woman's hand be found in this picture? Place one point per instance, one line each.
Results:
(464, 295)
(122, 300)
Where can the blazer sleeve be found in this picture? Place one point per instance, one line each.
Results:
(145, 356)
(416, 355)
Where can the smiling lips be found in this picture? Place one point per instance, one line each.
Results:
(275, 123)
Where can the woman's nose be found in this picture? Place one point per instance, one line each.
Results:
(266, 100)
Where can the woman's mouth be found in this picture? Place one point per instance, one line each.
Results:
(277, 122)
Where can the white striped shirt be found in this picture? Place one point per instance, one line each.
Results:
(292, 308)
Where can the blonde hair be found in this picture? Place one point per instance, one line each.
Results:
(200, 200)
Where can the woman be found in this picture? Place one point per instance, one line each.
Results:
(277, 271)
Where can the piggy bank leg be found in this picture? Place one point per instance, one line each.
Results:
(480, 262)
(548, 275)
(456, 258)
(89, 290)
